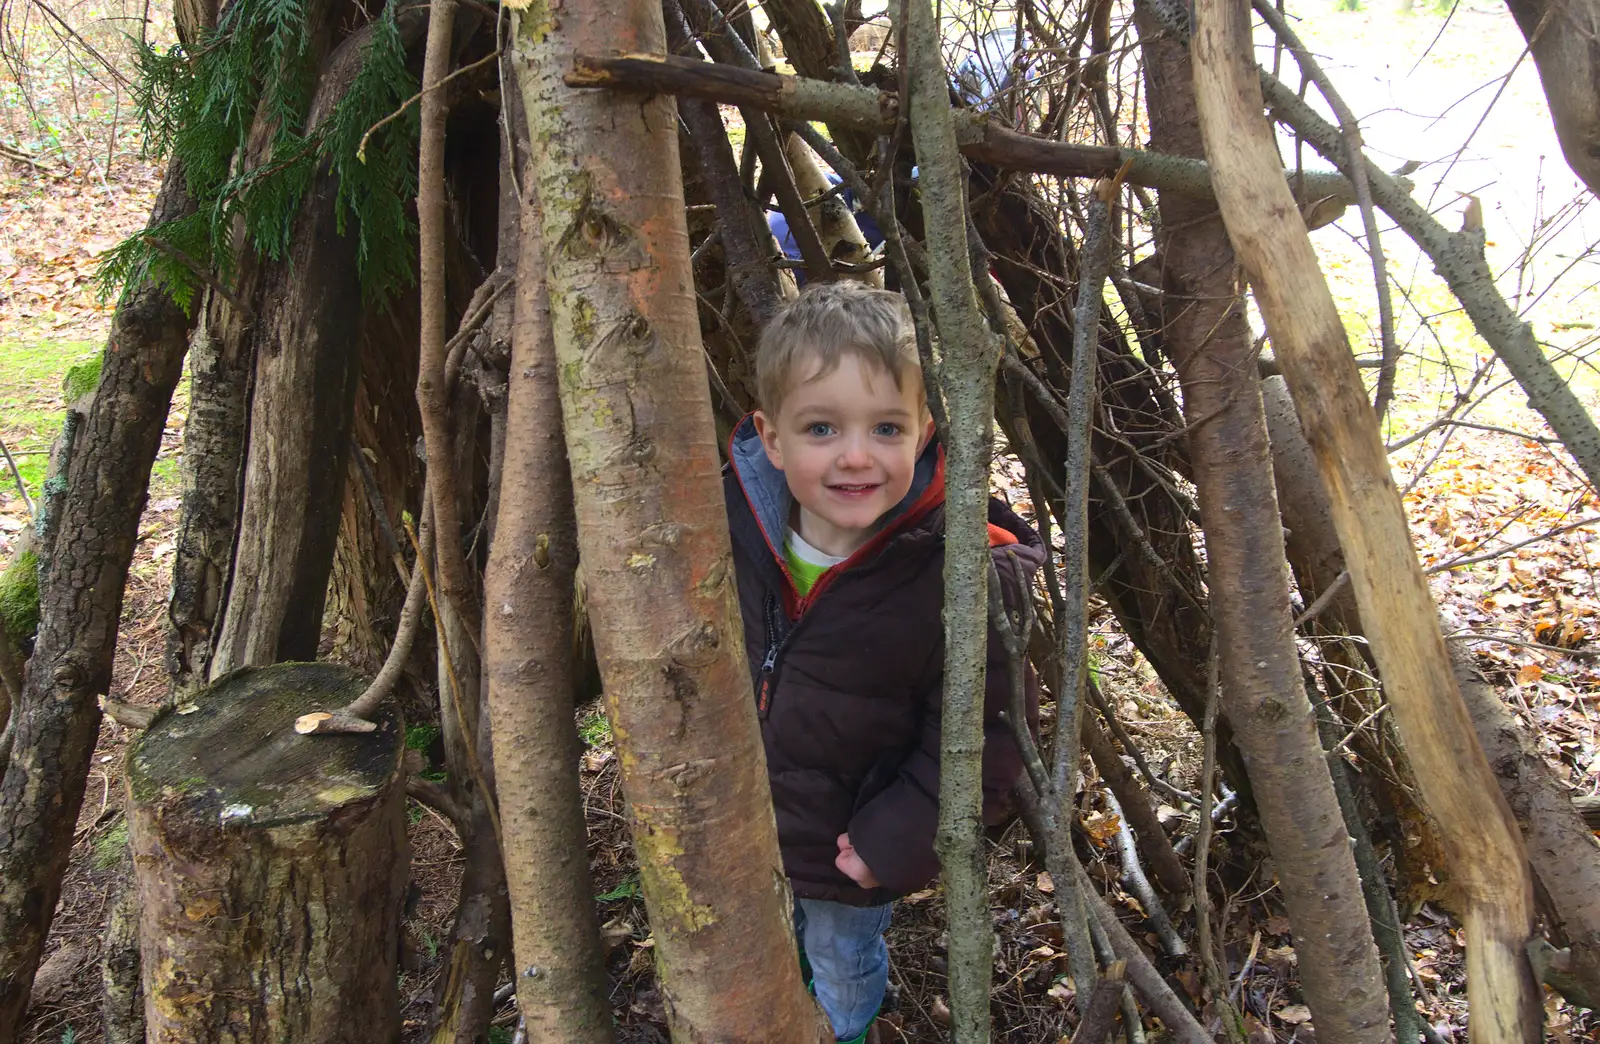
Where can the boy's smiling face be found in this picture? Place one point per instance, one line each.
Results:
(847, 442)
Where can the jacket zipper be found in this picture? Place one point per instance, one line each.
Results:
(769, 663)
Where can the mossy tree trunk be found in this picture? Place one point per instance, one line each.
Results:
(271, 866)
(653, 535)
(81, 602)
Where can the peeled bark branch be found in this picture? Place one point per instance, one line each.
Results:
(868, 109)
(1396, 606)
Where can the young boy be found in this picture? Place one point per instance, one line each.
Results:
(835, 496)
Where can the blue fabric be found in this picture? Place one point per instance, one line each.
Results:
(849, 960)
(791, 249)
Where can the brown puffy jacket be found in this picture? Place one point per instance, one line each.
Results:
(848, 679)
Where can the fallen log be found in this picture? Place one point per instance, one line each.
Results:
(869, 109)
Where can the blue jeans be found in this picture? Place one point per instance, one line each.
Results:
(848, 957)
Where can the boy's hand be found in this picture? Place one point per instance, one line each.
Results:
(852, 866)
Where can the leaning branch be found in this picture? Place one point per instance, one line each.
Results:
(868, 109)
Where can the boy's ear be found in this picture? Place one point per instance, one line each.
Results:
(768, 432)
(927, 435)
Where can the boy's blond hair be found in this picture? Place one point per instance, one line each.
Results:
(827, 322)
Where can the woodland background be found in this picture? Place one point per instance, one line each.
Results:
(1495, 508)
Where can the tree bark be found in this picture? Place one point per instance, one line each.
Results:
(529, 654)
(965, 380)
(122, 996)
(365, 591)
(213, 454)
(271, 866)
(80, 603)
(653, 536)
(1264, 696)
(1401, 619)
(1564, 37)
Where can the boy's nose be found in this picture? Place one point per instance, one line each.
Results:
(853, 454)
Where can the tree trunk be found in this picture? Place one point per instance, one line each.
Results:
(213, 454)
(653, 536)
(1565, 40)
(121, 995)
(529, 659)
(365, 591)
(271, 866)
(1396, 607)
(80, 603)
(1206, 333)
(304, 335)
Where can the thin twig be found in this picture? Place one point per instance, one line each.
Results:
(477, 313)
(1323, 600)
(361, 149)
(1072, 627)
(16, 476)
(1138, 883)
(1457, 563)
(1202, 855)
(201, 273)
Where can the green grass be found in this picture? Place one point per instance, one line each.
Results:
(109, 846)
(31, 400)
(595, 730)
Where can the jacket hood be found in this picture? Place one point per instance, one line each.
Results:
(768, 491)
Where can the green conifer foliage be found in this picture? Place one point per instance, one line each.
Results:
(198, 108)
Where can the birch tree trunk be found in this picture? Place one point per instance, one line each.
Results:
(1264, 696)
(1396, 606)
(653, 535)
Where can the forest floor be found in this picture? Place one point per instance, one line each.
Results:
(1532, 611)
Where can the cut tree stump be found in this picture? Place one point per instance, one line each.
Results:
(270, 866)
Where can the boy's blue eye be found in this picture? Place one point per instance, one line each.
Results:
(886, 430)
(819, 430)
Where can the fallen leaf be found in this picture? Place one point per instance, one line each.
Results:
(1043, 883)
(1294, 1014)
